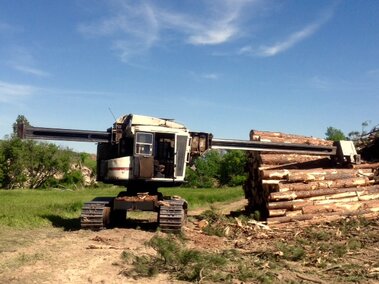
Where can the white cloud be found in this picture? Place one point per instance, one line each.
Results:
(4, 27)
(7, 28)
(210, 76)
(135, 27)
(22, 59)
(373, 73)
(321, 83)
(31, 70)
(10, 93)
(215, 36)
(292, 39)
(360, 85)
(221, 22)
(19, 55)
(57, 92)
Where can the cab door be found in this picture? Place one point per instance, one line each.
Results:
(180, 155)
(143, 167)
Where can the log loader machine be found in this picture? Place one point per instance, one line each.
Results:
(144, 153)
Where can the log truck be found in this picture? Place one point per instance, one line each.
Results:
(144, 153)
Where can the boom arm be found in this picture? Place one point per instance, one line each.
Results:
(260, 146)
(343, 151)
(30, 132)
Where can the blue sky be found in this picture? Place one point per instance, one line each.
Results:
(224, 66)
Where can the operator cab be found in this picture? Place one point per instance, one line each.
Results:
(148, 149)
(154, 155)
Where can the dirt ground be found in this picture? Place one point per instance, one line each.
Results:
(57, 256)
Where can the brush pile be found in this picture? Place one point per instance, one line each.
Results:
(368, 145)
(293, 187)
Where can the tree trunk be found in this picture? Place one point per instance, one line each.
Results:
(360, 181)
(296, 175)
(322, 216)
(367, 166)
(280, 159)
(287, 138)
(341, 207)
(291, 195)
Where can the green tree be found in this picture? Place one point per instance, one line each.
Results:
(21, 119)
(354, 135)
(88, 161)
(232, 169)
(364, 124)
(73, 177)
(215, 169)
(2, 164)
(28, 164)
(334, 134)
(31, 164)
(205, 171)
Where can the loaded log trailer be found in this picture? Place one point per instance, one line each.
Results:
(144, 153)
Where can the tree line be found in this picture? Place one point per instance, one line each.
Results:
(335, 134)
(31, 164)
(217, 169)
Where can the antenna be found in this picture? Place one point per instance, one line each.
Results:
(111, 113)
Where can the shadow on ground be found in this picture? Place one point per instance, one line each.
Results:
(140, 224)
(73, 224)
(68, 224)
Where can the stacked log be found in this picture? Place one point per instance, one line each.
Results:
(294, 187)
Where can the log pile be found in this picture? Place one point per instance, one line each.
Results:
(293, 187)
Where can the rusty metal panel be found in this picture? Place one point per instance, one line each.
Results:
(143, 167)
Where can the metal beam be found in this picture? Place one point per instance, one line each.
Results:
(229, 144)
(30, 132)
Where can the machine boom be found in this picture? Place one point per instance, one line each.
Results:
(229, 144)
(30, 132)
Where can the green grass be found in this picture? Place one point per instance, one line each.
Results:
(61, 208)
(173, 256)
(205, 196)
(41, 208)
(21, 260)
(194, 265)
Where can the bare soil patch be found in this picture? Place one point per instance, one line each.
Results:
(334, 252)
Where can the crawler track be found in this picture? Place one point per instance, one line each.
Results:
(172, 215)
(96, 214)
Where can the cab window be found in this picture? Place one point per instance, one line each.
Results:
(144, 143)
